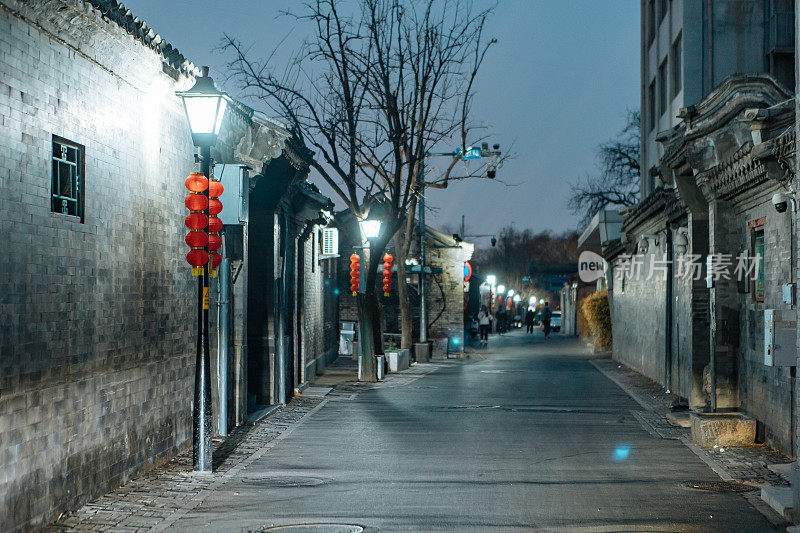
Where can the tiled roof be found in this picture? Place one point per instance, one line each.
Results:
(125, 19)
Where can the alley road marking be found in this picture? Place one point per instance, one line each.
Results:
(221, 479)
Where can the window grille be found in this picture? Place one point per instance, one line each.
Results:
(329, 242)
(66, 187)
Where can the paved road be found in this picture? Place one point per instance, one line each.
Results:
(533, 437)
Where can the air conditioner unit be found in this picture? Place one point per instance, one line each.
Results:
(329, 242)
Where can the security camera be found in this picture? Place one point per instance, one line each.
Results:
(780, 202)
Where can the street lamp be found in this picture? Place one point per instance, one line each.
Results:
(491, 279)
(205, 107)
(501, 289)
(370, 229)
(511, 292)
(517, 298)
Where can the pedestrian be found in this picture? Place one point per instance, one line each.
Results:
(501, 321)
(547, 314)
(484, 317)
(529, 320)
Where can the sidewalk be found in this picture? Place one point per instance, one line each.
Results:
(157, 499)
(749, 464)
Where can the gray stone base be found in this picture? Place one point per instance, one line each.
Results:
(422, 352)
(722, 429)
(397, 360)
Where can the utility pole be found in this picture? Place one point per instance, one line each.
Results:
(423, 322)
(471, 153)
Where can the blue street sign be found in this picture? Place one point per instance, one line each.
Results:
(473, 152)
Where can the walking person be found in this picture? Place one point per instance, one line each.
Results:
(547, 314)
(484, 317)
(529, 314)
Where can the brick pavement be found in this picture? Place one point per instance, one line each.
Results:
(156, 499)
(747, 464)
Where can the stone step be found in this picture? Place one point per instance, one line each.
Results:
(782, 469)
(779, 498)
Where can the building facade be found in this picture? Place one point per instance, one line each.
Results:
(690, 46)
(98, 302)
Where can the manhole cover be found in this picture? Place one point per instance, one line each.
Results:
(719, 486)
(283, 481)
(316, 528)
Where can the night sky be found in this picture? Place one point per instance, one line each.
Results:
(556, 84)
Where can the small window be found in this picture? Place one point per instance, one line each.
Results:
(676, 67)
(663, 10)
(651, 22)
(66, 186)
(651, 105)
(758, 256)
(662, 88)
(329, 243)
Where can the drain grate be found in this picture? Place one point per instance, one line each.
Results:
(279, 482)
(315, 528)
(719, 486)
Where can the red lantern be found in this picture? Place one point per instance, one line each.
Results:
(387, 274)
(197, 257)
(215, 189)
(196, 221)
(214, 206)
(355, 268)
(214, 242)
(196, 182)
(196, 239)
(196, 202)
(216, 259)
(214, 224)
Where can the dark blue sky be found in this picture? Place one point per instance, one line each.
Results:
(556, 85)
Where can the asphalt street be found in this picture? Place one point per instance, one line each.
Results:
(529, 436)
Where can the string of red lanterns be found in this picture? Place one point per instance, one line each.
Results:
(197, 222)
(355, 267)
(387, 274)
(215, 189)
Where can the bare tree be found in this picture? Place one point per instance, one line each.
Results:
(371, 92)
(617, 183)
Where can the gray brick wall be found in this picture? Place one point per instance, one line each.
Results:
(637, 312)
(97, 317)
(320, 309)
(764, 392)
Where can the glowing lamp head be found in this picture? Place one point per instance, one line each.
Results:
(517, 298)
(511, 292)
(370, 229)
(491, 279)
(205, 107)
(501, 289)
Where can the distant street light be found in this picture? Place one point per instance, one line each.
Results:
(517, 298)
(491, 279)
(511, 292)
(501, 289)
(205, 107)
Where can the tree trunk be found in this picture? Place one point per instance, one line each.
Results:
(369, 313)
(406, 322)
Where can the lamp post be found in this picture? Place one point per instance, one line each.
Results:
(205, 107)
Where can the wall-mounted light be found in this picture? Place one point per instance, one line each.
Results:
(646, 242)
(681, 241)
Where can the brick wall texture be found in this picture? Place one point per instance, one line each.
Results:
(96, 338)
